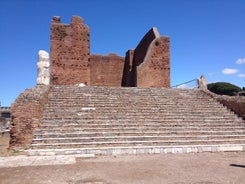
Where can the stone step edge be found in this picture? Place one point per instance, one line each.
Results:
(144, 136)
(179, 133)
(134, 142)
(102, 126)
(139, 150)
(132, 129)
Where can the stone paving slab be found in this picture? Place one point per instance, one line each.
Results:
(23, 160)
(136, 150)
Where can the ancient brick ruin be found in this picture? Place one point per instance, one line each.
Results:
(71, 61)
(77, 119)
(26, 112)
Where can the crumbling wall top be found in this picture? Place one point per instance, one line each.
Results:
(56, 19)
(77, 20)
(141, 49)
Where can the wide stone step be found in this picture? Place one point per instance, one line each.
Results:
(136, 108)
(64, 134)
(143, 118)
(144, 108)
(156, 110)
(139, 101)
(163, 122)
(90, 124)
(133, 129)
(56, 96)
(123, 124)
(139, 150)
(137, 138)
(164, 116)
(137, 143)
(123, 91)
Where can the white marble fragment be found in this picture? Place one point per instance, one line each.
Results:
(202, 83)
(80, 85)
(43, 76)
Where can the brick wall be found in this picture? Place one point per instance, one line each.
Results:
(128, 76)
(71, 62)
(106, 70)
(26, 113)
(69, 52)
(149, 64)
(155, 69)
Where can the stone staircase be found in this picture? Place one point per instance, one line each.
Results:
(110, 120)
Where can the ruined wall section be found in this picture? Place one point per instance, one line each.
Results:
(106, 70)
(151, 62)
(127, 77)
(140, 53)
(155, 69)
(69, 52)
(142, 47)
(71, 62)
(26, 114)
(234, 103)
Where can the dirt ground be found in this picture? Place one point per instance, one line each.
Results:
(201, 168)
(4, 144)
(194, 168)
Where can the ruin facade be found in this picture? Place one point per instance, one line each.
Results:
(71, 62)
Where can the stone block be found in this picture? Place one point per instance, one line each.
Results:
(231, 148)
(207, 149)
(177, 150)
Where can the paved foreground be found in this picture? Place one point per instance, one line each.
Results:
(201, 168)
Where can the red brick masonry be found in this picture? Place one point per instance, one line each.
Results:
(26, 113)
(72, 63)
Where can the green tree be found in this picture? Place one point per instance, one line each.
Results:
(224, 88)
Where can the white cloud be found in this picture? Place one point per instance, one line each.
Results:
(240, 61)
(229, 71)
(241, 75)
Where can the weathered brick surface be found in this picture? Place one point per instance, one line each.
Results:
(26, 112)
(155, 70)
(106, 70)
(69, 52)
(149, 64)
(128, 77)
(72, 63)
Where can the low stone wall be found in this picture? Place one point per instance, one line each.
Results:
(26, 113)
(234, 103)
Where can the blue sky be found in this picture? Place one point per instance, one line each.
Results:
(207, 36)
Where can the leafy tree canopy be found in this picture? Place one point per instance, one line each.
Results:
(224, 88)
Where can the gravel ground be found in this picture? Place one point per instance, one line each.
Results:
(199, 168)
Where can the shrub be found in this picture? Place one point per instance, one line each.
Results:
(224, 88)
